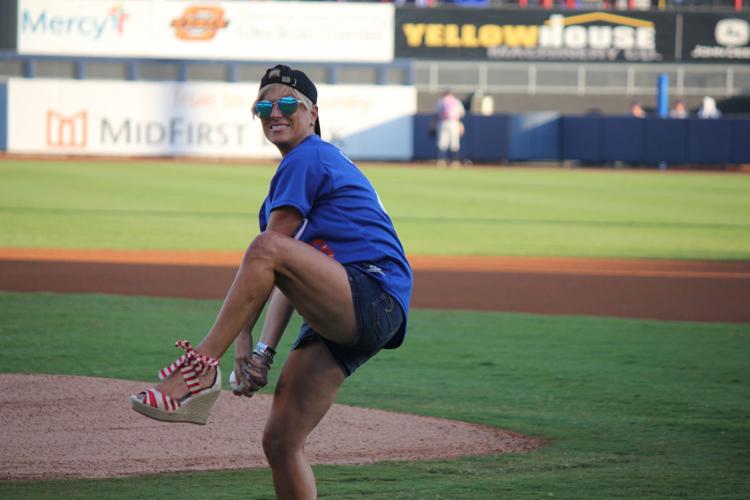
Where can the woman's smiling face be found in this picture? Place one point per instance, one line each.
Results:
(286, 132)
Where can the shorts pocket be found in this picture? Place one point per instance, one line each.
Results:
(385, 315)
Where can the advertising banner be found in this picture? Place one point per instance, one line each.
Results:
(716, 37)
(79, 117)
(499, 35)
(243, 31)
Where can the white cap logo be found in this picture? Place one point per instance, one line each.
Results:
(732, 32)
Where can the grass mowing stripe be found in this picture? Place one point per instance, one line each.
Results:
(632, 408)
(475, 211)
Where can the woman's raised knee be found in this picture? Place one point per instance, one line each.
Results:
(265, 246)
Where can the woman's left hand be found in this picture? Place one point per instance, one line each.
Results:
(243, 349)
(253, 374)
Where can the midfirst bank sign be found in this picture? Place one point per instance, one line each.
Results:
(175, 133)
(132, 118)
(74, 132)
(80, 117)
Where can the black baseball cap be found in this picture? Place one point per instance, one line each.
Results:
(293, 78)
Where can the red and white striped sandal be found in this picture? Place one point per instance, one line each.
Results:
(196, 406)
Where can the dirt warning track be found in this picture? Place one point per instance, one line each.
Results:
(654, 289)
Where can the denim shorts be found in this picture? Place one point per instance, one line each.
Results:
(379, 318)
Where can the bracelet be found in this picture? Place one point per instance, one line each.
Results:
(265, 357)
(265, 351)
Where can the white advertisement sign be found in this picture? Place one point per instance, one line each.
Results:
(86, 117)
(243, 31)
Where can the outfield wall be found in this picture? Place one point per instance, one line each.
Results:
(73, 117)
(114, 118)
(595, 139)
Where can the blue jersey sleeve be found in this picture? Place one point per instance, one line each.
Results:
(299, 182)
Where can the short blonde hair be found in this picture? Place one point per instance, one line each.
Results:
(306, 102)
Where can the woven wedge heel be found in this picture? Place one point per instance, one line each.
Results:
(196, 406)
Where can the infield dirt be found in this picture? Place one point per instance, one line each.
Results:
(52, 429)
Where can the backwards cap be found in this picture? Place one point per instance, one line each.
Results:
(292, 78)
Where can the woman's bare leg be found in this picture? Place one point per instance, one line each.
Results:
(315, 284)
(306, 390)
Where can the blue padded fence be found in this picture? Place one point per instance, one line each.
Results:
(606, 139)
(486, 138)
(741, 141)
(3, 116)
(595, 139)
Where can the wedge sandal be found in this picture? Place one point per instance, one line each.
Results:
(196, 406)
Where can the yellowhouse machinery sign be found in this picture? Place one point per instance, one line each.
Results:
(594, 36)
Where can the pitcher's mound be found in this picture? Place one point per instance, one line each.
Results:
(65, 426)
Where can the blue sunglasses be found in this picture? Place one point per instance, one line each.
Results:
(287, 105)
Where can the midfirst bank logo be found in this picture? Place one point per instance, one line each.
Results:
(69, 131)
(91, 27)
(72, 131)
(590, 36)
(199, 22)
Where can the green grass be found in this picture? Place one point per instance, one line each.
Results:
(479, 211)
(631, 408)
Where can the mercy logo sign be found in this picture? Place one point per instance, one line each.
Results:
(91, 27)
(67, 131)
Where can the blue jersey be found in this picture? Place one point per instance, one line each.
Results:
(342, 216)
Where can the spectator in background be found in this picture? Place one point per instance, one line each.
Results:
(636, 110)
(708, 108)
(449, 127)
(679, 110)
(479, 103)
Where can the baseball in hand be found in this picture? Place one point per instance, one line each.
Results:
(233, 382)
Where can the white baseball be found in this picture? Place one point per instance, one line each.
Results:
(233, 382)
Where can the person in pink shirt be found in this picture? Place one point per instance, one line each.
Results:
(449, 114)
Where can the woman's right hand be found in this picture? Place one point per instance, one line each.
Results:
(243, 349)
